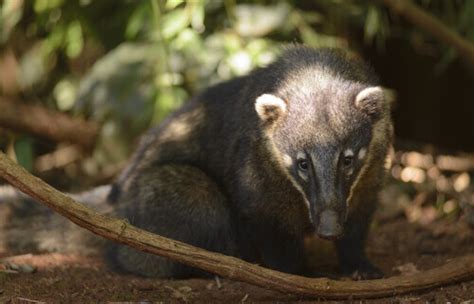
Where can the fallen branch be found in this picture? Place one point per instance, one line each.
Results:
(47, 124)
(430, 24)
(121, 231)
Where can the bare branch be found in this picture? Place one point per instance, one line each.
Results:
(47, 124)
(225, 266)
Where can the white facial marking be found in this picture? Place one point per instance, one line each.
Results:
(349, 152)
(268, 100)
(303, 175)
(301, 155)
(362, 153)
(287, 160)
(298, 187)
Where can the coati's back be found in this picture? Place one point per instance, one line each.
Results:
(205, 129)
(255, 164)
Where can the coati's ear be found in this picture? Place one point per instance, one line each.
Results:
(270, 108)
(371, 101)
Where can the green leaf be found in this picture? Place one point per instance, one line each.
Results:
(168, 101)
(137, 20)
(24, 152)
(42, 6)
(174, 22)
(74, 39)
(171, 4)
(198, 15)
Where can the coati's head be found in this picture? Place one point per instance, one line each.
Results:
(321, 116)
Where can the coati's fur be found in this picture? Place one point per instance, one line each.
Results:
(252, 166)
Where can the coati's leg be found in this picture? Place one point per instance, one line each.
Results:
(178, 202)
(351, 247)
(277, 249)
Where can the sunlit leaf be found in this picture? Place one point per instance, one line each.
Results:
(171, 4)
(174, 22)
(198, 14)
(137, 20)
(187, 39)
(54, 41)
(167, 101)
(240, 63)
(10, 15)
(74, 39)
(41, 6)
(65, 94)
(232, 42)
(256, 20)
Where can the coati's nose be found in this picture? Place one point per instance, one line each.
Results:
(329, 226)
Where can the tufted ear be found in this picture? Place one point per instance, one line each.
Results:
(270, 108)
(371, 101)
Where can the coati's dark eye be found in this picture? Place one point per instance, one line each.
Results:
(303, 164)
(348, 160)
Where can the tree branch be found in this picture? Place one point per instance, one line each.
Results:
(430, 24)
(121, 231)
(47, 124)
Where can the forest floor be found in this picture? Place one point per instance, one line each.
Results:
(395, 245)
(426, 218)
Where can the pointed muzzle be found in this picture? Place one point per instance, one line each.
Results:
(329, 225)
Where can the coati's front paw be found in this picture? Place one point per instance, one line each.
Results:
(365, 271)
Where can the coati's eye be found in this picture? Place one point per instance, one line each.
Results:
(303, 164)
(348, 160)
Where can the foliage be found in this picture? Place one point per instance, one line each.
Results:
(127, 64)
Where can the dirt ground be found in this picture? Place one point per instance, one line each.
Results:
(395, 245)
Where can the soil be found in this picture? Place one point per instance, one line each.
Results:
(395, 245)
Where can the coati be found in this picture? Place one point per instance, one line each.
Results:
(252, 166)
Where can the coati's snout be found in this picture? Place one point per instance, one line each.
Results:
(327, 191)
(329, 225)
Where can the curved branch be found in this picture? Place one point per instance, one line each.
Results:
(430, 24)
(47, 124)
(225, 266)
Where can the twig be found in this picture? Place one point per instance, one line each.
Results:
(47, 124)
(430, 24)
(225, 266)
